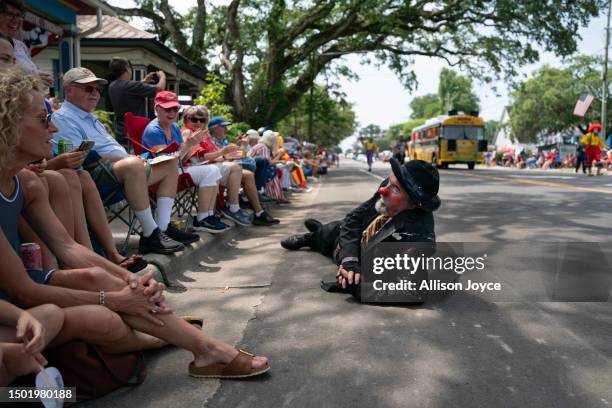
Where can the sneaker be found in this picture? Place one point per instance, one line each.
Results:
(296, 242)
(159, 243)
(181, 236)
(265, 220)
(239, 217)
(263, 198)
(210, 224)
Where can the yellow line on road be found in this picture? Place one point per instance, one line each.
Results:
(536, 182)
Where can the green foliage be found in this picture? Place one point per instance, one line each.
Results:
(411, 124)
(426, 106)
(491, 128)
(213, 97)
(333, 119)
(107, 118)
(545, 102)
(455, 92)
(371, 130)
(383, 144)
(236, 129)
(395, 131)
(270, 53)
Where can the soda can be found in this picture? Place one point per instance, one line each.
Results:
(64, 146)
(31, 256)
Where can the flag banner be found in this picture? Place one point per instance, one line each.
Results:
(583, 104)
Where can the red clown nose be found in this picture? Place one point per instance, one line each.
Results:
(383, 191)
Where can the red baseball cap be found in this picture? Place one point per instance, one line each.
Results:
(166, 100)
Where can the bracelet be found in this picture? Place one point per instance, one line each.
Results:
(349, 259)
(102, 297)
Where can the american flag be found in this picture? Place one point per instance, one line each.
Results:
(583, 104)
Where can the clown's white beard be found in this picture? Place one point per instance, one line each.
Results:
(381, 206)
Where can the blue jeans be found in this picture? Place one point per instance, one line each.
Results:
(261, 171)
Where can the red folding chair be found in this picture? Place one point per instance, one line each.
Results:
(187, 197)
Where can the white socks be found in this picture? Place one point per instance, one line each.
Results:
(259, 213)
(202, 215)
(146, 221)
(164, 211)
(234, 207)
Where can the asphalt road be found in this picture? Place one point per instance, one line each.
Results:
(454, 351)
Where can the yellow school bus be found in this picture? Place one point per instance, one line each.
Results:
(449, 139)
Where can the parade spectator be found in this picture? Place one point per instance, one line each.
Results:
(76, 124)
(400, 211)
(232, 174)
(11, 22)
(161, 132)
(132, 305)
(33, 330)
(267, 149)
(592, 150)
(311, 166)
(127, 95)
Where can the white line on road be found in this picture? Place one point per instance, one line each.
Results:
(376, 176)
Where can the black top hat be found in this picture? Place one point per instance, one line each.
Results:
(421, 181)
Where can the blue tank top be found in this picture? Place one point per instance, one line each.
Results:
(10, 208)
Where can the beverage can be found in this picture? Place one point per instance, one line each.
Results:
(64, 146)
(31, 256)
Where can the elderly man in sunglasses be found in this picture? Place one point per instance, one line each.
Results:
(114, 165)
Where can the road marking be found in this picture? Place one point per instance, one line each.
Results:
(537, 183)
(542, 177)
(376, 176)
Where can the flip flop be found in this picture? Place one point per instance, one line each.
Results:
(194, 320)
(136, 266)
(239, 367)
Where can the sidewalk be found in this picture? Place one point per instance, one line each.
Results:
(208, 279)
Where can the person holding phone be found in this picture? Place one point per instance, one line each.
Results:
(127, 95)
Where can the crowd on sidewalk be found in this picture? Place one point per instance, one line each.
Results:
(590, 153)
(61, 170)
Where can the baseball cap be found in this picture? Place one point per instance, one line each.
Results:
(166, 100)
(217, 121)
(82, 75)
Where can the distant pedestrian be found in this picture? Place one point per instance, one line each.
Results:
(371, 150)
(401, 149)
(580, 159)
(593, 145)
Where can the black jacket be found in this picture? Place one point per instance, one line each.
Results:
(413, 225)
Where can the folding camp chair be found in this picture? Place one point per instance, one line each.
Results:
(187, 197)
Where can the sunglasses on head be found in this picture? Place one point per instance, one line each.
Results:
(198, 120)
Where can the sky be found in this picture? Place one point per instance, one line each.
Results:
(379, 98)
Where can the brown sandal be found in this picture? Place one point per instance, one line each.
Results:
(239, 367)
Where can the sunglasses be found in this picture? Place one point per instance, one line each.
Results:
(175, 109)
(90, 89)
(198, 120)
(45, 120)
(12, 16)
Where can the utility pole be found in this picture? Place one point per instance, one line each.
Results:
(604, 93)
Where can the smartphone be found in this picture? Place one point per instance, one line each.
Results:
(86, 145)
